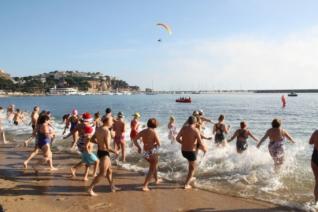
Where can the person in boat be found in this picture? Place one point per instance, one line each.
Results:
(276, 136)
(44, 137)
(151, 142)
(219, 131)
(34, 118)
(2, 133)
(314, 161)
(241, 136)
(190, 139)
(102, 138)
(134, 127)
(172, 129)
(119, 128)
(71, 123)
(85, 131)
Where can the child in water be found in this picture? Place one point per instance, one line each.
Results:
(172, 129)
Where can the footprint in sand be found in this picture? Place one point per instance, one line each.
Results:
(99, 206)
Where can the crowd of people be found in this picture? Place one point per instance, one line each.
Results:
(108, 133)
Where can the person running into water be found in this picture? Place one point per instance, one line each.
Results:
(2, 133)
(172, 129)
(190, 140)
(241, 136)
(43, 141)
(71, 123)
(85, 131)
(18, 117)
(314, 161)
(151, 142)
(119, 128)
(276, 136)
(97, 120)
(34, 119)
(108, 113)
(219, 129)
(134, 127)
(103, 138)
(10, 112)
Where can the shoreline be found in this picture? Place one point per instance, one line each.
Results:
(57, 191)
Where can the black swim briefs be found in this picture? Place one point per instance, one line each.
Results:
(190, 155)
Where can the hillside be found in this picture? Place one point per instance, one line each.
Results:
(83, 81)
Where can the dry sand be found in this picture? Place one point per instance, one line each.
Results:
(22, 190)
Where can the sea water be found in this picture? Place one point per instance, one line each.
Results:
(221, 170)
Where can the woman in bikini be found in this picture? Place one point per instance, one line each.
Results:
(276, 136)
(151, 143)
(242, 135)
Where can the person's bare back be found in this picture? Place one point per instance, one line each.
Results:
(149, 138)
(190, 137)
(103, 138)
(119, 127)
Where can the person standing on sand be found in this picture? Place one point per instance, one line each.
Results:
(103, 138)
(242, 135)
(219, 129)
(44, 140)
(190, 140)
(134, 127)
(151, 142)
(34, 119)
(314, 161)
(276, 137)
(71, 123)
(119, 128)
(2, 133)
(172, 129)
(84, 129)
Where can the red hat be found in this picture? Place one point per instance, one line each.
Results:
(87, 117)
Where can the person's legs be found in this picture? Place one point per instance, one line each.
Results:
(123, 151)
(86, 172)
(190, 174)
(102, 171)
(32, 155)
(152, 167)
(74, 168)
(3, 136)
(96, 168)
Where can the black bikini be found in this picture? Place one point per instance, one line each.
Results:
(102, 153)
(219, 136)
(190, 155)
(241, 145)
(314, 157)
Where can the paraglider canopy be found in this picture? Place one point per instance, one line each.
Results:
(165, 27)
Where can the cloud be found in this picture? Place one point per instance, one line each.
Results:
(242, 61)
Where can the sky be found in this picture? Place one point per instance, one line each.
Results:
(215, 44)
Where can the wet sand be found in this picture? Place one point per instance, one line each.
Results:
(23, 190)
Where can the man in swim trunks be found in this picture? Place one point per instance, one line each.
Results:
(190, 140)
(34, 119)
(119, 128)
(276, 137)
(242, 135)
(134, 127)
(103, 137)
(151, 142)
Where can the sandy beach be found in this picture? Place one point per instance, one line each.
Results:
(22, 190)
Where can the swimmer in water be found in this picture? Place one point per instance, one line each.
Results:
(219, 129)
(151, 142)
(172, 130)
(276, 136)
(241, 136)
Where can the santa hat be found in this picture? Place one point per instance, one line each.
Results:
(87, 117)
